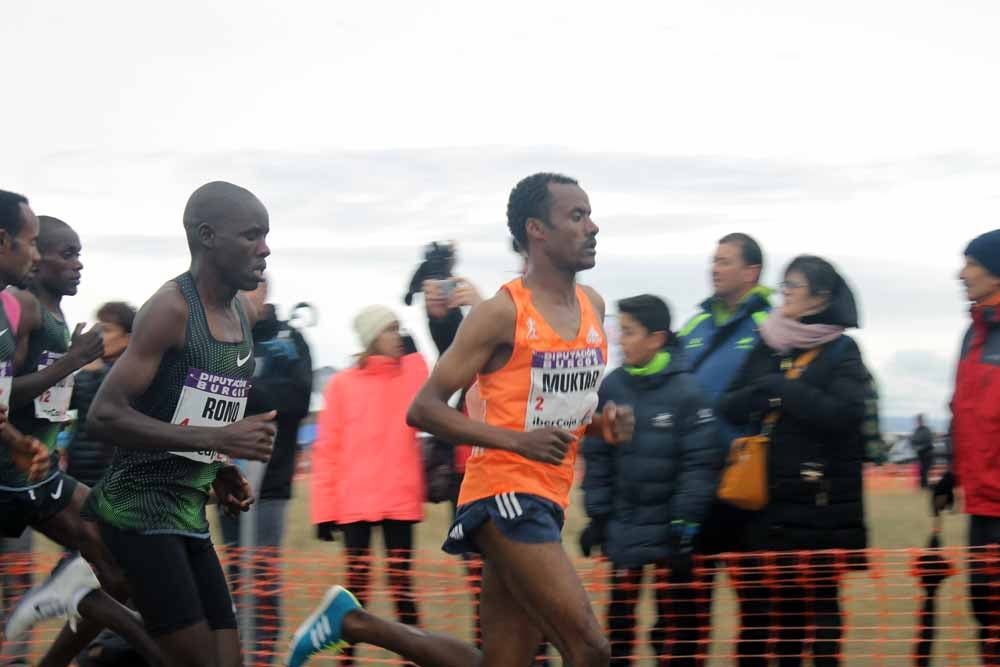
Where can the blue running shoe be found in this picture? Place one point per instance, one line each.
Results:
(321, 631)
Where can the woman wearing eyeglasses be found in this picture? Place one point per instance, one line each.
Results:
(814, 459)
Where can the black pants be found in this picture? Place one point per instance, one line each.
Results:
(926, 460)
(682, 632)
(626, 585)
(397, 537)
(984, 584)
(804, 600)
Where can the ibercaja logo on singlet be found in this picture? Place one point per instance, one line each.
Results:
(209, 399)
(564, 388)
(53, 403)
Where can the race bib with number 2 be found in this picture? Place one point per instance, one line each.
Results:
(53, 403)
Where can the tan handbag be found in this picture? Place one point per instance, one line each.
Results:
(744, 481)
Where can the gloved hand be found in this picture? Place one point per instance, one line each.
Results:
(681, 558)
(594, 535)
(327, 531)
(943, 494)
(768, 392)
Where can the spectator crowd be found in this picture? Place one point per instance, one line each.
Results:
(752, 385)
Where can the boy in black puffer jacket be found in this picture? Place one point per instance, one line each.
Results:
(646, 498)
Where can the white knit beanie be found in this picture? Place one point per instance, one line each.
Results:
(371, 322)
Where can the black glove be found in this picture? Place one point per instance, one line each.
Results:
(681, 558)
(327, 531)
(768, 392)
(943, 494)
(773, 384)
(594, 535)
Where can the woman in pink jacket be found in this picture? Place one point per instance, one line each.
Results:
(367, 467)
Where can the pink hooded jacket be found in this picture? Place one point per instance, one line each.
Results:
(366, 462)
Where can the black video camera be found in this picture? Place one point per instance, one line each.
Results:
(439, 260)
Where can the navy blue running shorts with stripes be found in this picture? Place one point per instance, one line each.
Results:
(520, 517)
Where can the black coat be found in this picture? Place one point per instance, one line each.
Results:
(87, 458)
(668, 471)
(816, 452)
(282, 381)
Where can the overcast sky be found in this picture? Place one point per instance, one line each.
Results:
(862, 131)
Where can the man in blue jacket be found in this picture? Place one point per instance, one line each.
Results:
(716, 343)
(647, 497)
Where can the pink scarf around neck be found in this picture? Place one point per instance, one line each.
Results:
(784, 335)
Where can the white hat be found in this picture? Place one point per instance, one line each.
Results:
(371, 322)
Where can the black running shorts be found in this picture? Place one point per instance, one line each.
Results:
(175, 581)
(33, 507)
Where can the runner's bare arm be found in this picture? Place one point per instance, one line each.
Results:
(614, 424)
(28, 454)
(489, 326)
(161, 327)
(85, 348)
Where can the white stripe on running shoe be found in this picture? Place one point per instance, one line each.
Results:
(503, 510)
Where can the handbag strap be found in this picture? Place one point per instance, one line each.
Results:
(793, 371)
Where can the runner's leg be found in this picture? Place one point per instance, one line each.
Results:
(541, 578)
(216, 601)
(178, 585)
(16, 564)
(100, 608)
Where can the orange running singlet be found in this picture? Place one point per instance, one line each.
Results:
(548, 382)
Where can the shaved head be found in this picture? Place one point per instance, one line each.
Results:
(50, 231)
(227, 228)
(219, 203)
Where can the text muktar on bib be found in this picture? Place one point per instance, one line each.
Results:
(564, 388)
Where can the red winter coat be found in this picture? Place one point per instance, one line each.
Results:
(975, 426)
(366, 462)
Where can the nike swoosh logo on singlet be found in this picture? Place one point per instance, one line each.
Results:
(240, 362)
(3, 332)
(58, 492)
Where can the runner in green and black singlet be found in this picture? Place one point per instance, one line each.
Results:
(204, 384)
(46, 358)
(45, 416)
(174, 405)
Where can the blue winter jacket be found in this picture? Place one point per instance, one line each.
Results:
(668, 471)
(717, 344)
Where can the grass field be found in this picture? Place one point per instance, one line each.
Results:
(880, 604)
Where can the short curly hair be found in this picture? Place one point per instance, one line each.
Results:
(531, 198)
(11, 218)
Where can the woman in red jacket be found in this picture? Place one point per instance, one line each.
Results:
(366, 467)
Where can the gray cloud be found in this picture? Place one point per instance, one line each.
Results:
(916, 381)
(349, 226)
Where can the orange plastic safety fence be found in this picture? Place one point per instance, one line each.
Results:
(876, 607)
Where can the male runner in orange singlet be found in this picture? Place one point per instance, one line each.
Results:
(537, 351)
